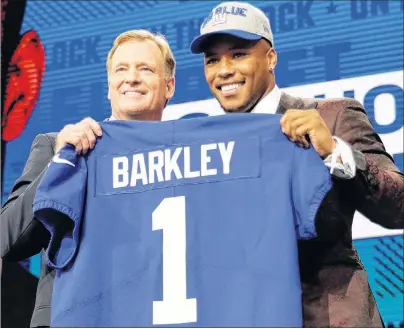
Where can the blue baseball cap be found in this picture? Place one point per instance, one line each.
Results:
(239, 19)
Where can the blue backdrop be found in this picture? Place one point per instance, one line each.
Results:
(316, 41)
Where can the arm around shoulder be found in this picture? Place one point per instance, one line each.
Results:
(23, 236)
(378, 183)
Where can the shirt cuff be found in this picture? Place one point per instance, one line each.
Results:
(341, 161)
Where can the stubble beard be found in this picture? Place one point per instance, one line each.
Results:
(246, 107)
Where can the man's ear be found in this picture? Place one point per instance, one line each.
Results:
(25, 73)
(170, 88)
(272, 59)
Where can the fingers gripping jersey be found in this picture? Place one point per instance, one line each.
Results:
(181, 223)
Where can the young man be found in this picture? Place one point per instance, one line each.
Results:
(239, 63)
(141, 70)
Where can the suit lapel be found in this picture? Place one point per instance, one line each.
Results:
(289, 102)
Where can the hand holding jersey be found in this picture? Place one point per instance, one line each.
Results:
(82, 135)
(297, 124)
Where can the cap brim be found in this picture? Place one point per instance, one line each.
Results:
(198, 45)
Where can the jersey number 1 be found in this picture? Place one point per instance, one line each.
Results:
(175, 308)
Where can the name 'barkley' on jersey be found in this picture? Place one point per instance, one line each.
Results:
(172, 164)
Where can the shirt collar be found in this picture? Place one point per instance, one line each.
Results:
(269, 104)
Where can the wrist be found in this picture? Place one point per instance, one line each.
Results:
(331, 149)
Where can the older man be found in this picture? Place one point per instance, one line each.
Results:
(239, 63)
(141, 70)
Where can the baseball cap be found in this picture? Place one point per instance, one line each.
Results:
(239, 19)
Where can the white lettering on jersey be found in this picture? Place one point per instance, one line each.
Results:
(138, 170)
(156, 166)
(187, 165)
(163, 164)
(226, 154)
(171, 164)
(120, 176)
(205, 159)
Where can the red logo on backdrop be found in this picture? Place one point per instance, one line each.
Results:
(25, 73)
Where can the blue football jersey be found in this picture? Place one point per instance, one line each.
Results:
(189, 223)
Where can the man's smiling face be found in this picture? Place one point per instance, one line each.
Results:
(138, 87)
(238, 71)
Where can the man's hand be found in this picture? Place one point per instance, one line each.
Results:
(297, 124)
(81, 135)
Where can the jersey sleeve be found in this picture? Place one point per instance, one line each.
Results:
(311, 180)
(59, 203)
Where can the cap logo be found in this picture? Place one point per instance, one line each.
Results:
(219, 14)
(219, 19)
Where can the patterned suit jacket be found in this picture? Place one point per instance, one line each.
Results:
(335, 287)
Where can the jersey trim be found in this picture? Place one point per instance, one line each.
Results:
(63, 243)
